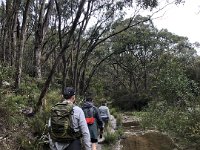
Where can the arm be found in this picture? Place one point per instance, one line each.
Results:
(108, 113)
(98, 117)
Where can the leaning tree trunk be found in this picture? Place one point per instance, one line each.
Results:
(58, 58)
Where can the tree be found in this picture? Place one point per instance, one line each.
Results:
(65, 46)
(143, 52)
(41, 26)
(20, 44)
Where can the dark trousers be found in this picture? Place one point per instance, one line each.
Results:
(75, 145)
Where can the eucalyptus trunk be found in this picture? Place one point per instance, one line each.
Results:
(61, 53)
(20, 45)
(41, 28)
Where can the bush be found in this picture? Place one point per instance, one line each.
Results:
(110, 137)
(39, 123)
(178, 123)
(176, 105)
(129, 101)
(115, 113)
(6, 74)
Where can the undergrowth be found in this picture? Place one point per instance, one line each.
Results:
(182, 124)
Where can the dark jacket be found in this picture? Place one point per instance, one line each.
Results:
(98, 124)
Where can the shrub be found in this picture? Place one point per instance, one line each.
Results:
(110, 137)
(38, 124)
(176, 122)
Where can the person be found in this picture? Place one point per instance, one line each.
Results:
(78, 122)
(94, 120)
(105, 114)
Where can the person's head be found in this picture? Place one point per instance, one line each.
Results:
(104, 104)
(88, 97)
(69, 93)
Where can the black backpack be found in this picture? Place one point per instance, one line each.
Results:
(89, 115)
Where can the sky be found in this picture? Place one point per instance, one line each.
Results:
(182, 20)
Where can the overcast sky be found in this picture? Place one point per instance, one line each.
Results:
(183, 19)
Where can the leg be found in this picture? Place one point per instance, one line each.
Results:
(94, 145)
(75, 145)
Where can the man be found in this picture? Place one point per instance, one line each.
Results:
(105, 114)
(93, 119)
(78, 122)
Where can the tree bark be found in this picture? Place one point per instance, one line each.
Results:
(41, 27)
(20, 46)
(57, 60)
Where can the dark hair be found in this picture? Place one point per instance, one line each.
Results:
(103, 104)
(88, 99)
(68, 92)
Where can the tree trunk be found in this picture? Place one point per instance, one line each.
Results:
(41, 27)
(20, 46)
(57, 60)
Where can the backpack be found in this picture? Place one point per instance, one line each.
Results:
(61, 128)
(89, 115)
(104, 114)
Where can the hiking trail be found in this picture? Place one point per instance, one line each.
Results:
(136, 138)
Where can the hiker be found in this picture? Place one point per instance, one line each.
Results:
(74, 124)
(105, 114)
(93, 120)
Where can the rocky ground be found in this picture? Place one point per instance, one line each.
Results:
(135, 138)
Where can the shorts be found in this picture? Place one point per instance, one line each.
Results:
(75, 145)
(94, 140)
(105, 119)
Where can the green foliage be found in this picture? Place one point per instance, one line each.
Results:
(129, 101)
(13, 103)
(25, 143)
(118, 117)
(138, 114)
(119, 120)
(29, 86)
(175, 108)
(53, 97)
(6, 73)
(10, 108)
(174, 87)
(120, 132)
(110, 137)
(178, 123)
(38, 123)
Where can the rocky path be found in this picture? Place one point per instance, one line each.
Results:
(135, 138)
